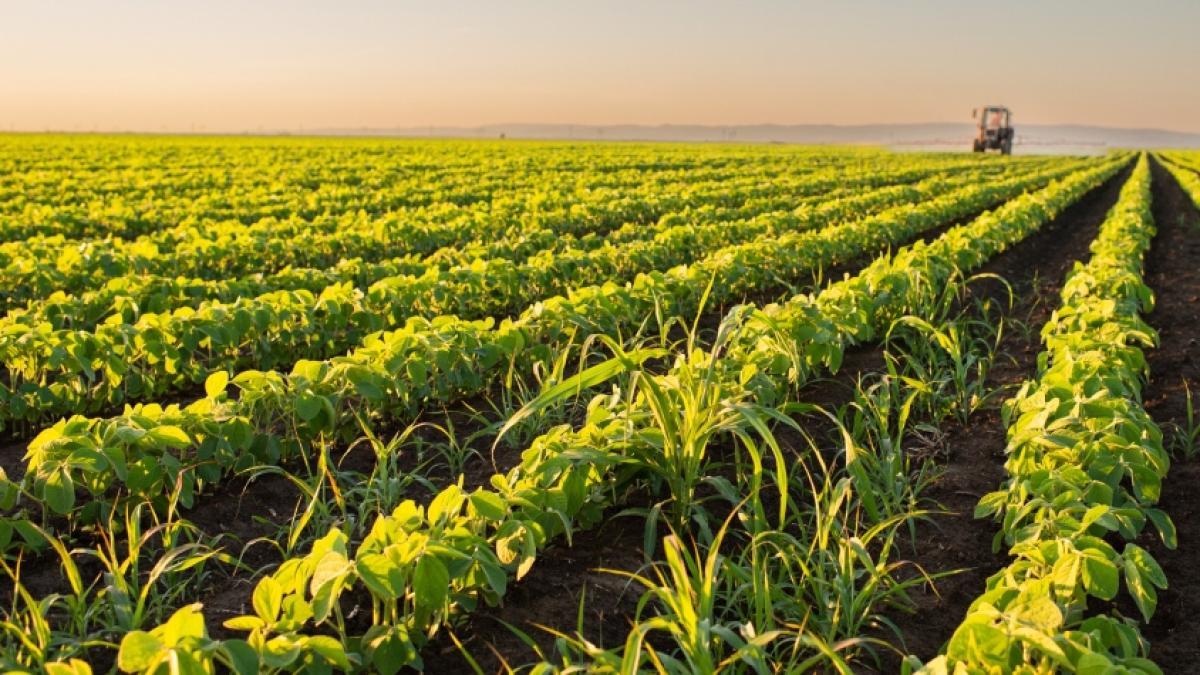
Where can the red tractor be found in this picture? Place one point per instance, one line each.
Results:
(995, 129)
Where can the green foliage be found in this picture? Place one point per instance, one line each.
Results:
(812, 553)
(55, 369)
(396, 373)
(1086, 464)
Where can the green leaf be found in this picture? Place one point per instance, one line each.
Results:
(89, 460)
(9, 493)
(382, 577)
(417, 371)
(1143, 594)
(431, 583)
(267, 599)
(59, 491)
(392, 649)
(308, 406)
(1093, 663)
(1101, 577)
(215, 384)
(186, 622)
(242, 657)
(139, 651)
(1146, 564)
(280, 652)
(330, 649)
(246, 623)
(169, 436)
(496, 577)
(1164, 525)
(489, 504)
(369, 390)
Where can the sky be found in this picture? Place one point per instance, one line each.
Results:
(269, 65)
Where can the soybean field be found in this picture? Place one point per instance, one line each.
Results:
(317, 405)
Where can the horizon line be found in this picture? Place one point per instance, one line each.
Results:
(199, 130)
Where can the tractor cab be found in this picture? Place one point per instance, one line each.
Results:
(995, 130)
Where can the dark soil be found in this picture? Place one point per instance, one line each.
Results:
(550, 595)
(823, 277)
(973, 464)
(591, 567)
(14, 439)
(244, 512)
(12, 454)
(1173, 272)
(247, 514)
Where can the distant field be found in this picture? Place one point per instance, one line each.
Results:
(1019, 149)
(288, 404)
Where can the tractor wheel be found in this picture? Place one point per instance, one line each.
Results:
(977, 146)
(1007, 147)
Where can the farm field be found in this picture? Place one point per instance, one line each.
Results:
(346, 405)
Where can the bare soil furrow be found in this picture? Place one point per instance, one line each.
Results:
(1173, 272)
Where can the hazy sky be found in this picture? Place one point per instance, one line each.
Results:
(269, 64)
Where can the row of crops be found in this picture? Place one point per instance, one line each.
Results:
(631, 333)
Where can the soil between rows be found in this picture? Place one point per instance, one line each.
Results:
(562, 570)
(591, 569)
(550, 595)
(248, 509)
(974, 463)
(14, 440)
(13, 445)
(1173, 273)
(247, 512)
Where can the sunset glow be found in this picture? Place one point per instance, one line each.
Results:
(234, 66)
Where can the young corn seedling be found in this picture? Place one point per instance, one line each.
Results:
(35, 633)
(1185, 436)
(388, 483)
(136, 597)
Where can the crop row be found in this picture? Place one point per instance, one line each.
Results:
(223, 249)
(131, 295)
(570, 205)
(1188, 177)
(420, 566)
(1085, 464)
(56, 372)
(1187, 160)
(105, 196)
(269, 245)
(149, 450)
(114, 187)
